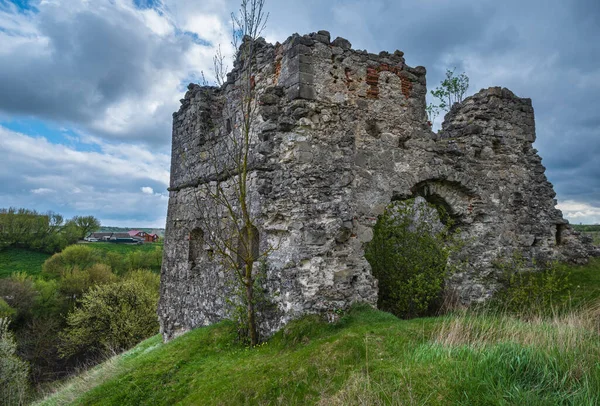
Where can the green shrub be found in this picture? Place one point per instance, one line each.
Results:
(111, 317)
(75, 282)
(48, 302)
(409, 256)
(13, 371)
(101, 274)
(115, 260)
(531, 289)
(19, 293)
(144, 276)
(6, 312)
(80, 256)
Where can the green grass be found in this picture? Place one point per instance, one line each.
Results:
(21, 260)
(585, 282)
(123, 248)
(369, 357)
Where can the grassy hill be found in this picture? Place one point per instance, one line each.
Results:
(21, 260)
(367, 358)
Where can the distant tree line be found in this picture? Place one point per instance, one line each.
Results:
(587, 227)
(45, 232)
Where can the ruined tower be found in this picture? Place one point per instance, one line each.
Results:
(342, 133)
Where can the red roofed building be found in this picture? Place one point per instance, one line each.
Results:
(146, 236)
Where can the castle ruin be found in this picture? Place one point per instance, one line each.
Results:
(341, 134)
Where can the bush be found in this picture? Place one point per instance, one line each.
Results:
(111, 317)
(116, 261)
(6, 312)
(527, 289)
(13, 371)
(76, 282)
(80, 256)
(409, 256)
(48, 302)
(19, 293)
(147, 278)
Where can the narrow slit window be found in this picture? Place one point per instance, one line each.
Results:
(196, 244)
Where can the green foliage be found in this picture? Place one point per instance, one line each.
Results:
(238, 302)
(75, 282)
(409, 259)
(148, 259)
(432, 112)
(123, 258)
(13, 371)
(18, 259)
(78, 255)
(6, 312)
(111, 317)
(86, 225)
(38, 305)
(49, 302)
(585, 282)
(19, 293)
(451, 90)
(525, 288)
(367, 358)
(586, 227)
(46, 232)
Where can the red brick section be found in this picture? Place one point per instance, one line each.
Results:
(277, 70)
(278, 58)
(373, 80)
(406, 86)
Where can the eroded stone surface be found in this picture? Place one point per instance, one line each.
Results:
(341, 134)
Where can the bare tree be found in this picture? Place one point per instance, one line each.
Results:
(229, 226)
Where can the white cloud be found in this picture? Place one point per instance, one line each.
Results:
(578, 212)
(107, 66)
(42, 191)
(45, 176)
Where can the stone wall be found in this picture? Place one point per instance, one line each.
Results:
(340, 134)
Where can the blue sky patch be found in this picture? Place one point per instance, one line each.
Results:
(143, 4)
(21, 4)
(53, 133)
(195, 37)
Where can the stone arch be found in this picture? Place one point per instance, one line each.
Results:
(457, 200)
(195, 246)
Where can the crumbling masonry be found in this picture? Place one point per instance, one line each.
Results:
(342, 133)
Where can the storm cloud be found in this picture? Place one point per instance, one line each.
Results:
(112, 72)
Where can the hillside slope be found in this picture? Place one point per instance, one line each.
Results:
(21, 260)
(368, 357)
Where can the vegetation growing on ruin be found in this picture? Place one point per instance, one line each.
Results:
(227, 223)
(451, 90)
(409, 257)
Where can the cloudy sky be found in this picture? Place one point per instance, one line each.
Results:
(87, 87)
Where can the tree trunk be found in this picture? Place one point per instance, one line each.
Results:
(250, 306)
